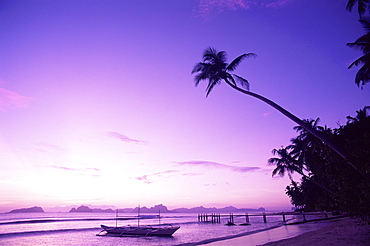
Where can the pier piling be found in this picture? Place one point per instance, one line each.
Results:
(246, 218)
(237, 218)
(264, 217)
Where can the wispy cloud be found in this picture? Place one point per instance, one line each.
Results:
(277, 3)
(124, 138)
(84, 171)
(210, 164)
(207, 8)
(11, 100)
(267, 114)
(47, 147)
(148, 177)
(144, 178)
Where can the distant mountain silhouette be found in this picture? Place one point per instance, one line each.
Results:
(28, 210)
(84, 209)
(163, 209)
(156, 209)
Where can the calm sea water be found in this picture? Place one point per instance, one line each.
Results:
(26, 229)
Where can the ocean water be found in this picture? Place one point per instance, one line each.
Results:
(26, 229)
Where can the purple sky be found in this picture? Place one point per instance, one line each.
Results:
(98, 104)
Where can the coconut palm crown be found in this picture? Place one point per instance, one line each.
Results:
(214, 68)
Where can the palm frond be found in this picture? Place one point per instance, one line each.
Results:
(275, 151)
(362, 5)
(210, 54)
(273, 161)
(365, 22)
(211, 84)
(350, 4)
(363, 76)
(242, 81)
(280, 171)
(222, 56)
(198, 67)
(199, 77)
(234, 63)
(229, 78)
(358, 45)
(357, 62)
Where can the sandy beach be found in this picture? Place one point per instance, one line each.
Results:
(344, 231)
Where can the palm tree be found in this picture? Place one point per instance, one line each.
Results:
(311, 153)
(361, 115)
(287, 163)
(215, 69)
(362, 5)
(296, 195)
(363, 44)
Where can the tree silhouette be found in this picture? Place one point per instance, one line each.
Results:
(362, 5)
(296, 195)
(363, 44)
(215, 69)
(287, 163)
(362, 115)
(350, 193)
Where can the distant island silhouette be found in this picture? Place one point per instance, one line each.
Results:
(157, 208)
(164, 209)
(28, 210)
(84, 209)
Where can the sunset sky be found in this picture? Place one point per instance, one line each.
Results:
(98, 104)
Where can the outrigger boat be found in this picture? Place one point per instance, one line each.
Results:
(140, 231)
(157, 230)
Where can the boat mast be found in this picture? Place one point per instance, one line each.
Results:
(116, 216)
(138, 216)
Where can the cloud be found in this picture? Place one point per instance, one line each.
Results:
(84, 171)
(191, 174)
(267, 114)
(11, 100)
(124, 138)
(46, 147)
(210, 164)
(145, 178)
(207, 8)
(277, 4)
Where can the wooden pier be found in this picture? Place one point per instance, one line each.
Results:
(230, 218)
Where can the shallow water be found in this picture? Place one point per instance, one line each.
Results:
(82, 228)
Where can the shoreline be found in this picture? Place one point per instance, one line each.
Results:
(342, 231)
(346, 231)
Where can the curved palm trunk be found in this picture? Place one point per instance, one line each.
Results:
(300, 122)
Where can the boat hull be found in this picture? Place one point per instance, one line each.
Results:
(140, 231)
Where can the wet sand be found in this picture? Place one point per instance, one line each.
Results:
(344, 231)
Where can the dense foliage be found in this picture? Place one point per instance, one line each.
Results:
(362, 43)
(327, 182)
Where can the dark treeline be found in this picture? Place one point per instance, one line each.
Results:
(327, 183)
